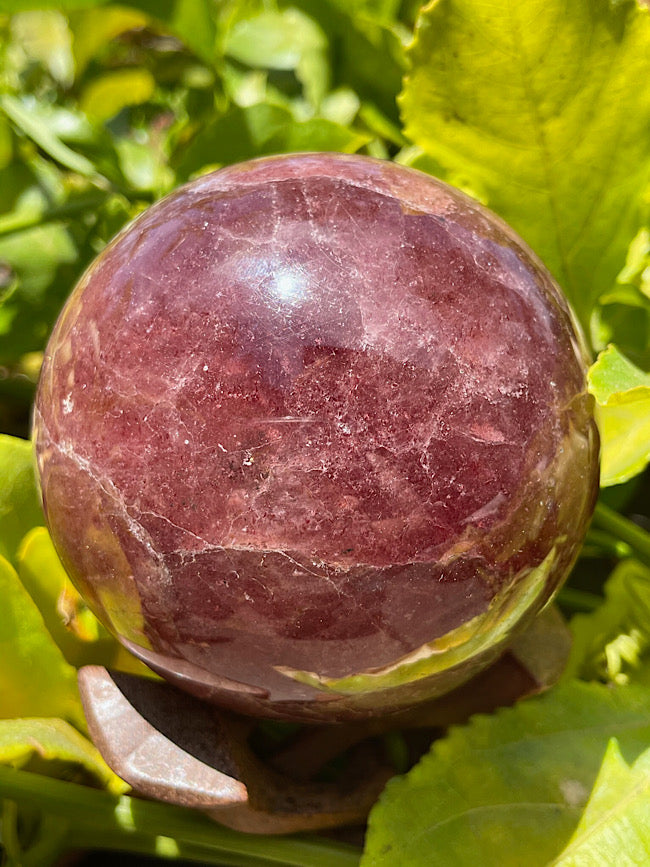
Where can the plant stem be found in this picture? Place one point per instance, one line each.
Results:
(50, 845)
(627, 531)
(102, 820)
(164, 847)
(606, 544)
(578, 600)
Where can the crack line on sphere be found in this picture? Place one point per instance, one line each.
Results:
(111, 491)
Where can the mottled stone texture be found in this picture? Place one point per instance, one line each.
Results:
(306, 429)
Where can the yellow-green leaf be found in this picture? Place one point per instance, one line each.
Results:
(622, 393)
(45, 38)
(29, 743)
(35, 679)
(6, 144)
(612, 642)
(94, 29)
(275, 39)
(507, 789)
(70, 622)
(615, 827)
(106, 96)
(20, 508)
(20, 116)
(194, 21)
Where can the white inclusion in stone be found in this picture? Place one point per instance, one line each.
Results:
(68, 404)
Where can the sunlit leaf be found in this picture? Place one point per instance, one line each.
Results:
(35, 257)
(25, 743)
(341, 106)
(194, 21)
(95, 29)
(316, 134)
(615, 827)
(283, 40)
(609, 643)
(68, 123)
(105, 96)
(20, 115)
(20, 508)
(637, 263)
(35, 679)
(622, 314)
(23, 5)
(72, 625)
(274, 40)
(44, 37)
(622, 393)
(507, 789)
(369, 50)
(539, 103)
(144, 167)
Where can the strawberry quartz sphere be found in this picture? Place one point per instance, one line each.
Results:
(313, 437)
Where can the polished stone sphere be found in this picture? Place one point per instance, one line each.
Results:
(313, 437)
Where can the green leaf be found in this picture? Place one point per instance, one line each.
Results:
(194, 21)
(369, 51)
(507, 789)
(283, 40)
(622, 393)
(78, 634)
(95, 29)
(275, 39)
(622, 315)
(316, 134)
(45, 38)
(20, 507)
(144, 166)
(42, 259)
(24, 5)
(244, 133)
(613, 373)
(68, 124)
(539, 104)
(105, 96)
(15, 180)
(6, 144)
(637, 263)
(36, 253)
(609, 643)
(35, 679)
(41, 135)
(615, 827)
(72, 625)
(29, 743)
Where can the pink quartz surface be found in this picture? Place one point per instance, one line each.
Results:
(313, 413)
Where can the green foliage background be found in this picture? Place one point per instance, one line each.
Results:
(541, 110)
